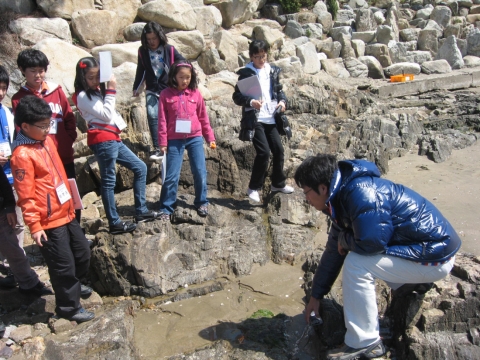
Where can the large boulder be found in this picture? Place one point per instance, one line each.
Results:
(294, 29)
(449, 51)
(325, 19)
(419, 56)
(359, 47)
(209, 19)
(365, 20)
(355, 67)
(227, 48)
(428, 41)
(64, 9)
(126, 10)
(332, 49)
(210, 62)
(33, 30)
(432, 24)
(436, 67)
(273, 37)
(124, 75)
(347, 49)
(385, 34)
(175, 14)
(121, 53)
(392, 21)
(473, 42)
(424, 13)
(61, 62)
(366, 36)
(402, 68)
(471, 61)
(18, 6)
(236, 11)
(375, 70)
(308, 56)
(134, 31)
(398, 51)
(189, 43)
(380, 52)
(95, 27)
(335, 68)
(313, 31)
(441, 15)
(409, 34)
(336, 32)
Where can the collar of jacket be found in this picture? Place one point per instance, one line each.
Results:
(23, 139)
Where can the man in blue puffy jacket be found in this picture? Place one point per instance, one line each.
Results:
(380, 230)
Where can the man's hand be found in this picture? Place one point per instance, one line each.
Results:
(163, 149)
(257, 104)
(341, 250)
(12, 219)
(313, 305)
(281, 105)
(38, 237)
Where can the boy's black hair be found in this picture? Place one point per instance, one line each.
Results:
(172, 82)
(31, 109)
(32, 58)
(153, 27)
(80, 83)
(4, 78)
(316, 170)
(256, 46)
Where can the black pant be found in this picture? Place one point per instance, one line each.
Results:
(267, 139)
(68, 258)
(70, 170)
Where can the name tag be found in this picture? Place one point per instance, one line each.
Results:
(53, 127)
(121, 124)
(5, 149)
(63, 193)
(183, 126)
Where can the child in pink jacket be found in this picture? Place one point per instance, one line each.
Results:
(182, 121)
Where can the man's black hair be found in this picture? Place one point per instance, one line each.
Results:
(257, 46)
(172, 81)
(32, 58)
(31, 109)
(316, 170)
(153, 27)
(4, 78)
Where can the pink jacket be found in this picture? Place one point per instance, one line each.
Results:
(169, 106)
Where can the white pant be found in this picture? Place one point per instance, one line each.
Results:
(359, 299)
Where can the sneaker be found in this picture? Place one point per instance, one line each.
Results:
(122, 227)
(345, 352)
(81, 316)
(286, 189)
(8, 281)
(85, 290)
(156, 155)
(202, 211)
(253, 195)
(146, 217)
(407, 289)
(38, 290)
(163, 216)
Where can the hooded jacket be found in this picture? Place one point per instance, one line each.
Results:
(372, 215)
(61, 112)
(38, 171)
(250, 114)
(145, 71)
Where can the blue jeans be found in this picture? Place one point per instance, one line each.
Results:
(152, 117)
(108, 153)
(175, 150)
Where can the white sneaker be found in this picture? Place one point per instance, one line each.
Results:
(156, 155)
(253, 194)
(286, 189)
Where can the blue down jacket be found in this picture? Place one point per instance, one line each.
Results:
(371, 215)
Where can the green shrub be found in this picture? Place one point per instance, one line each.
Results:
(293, 6)
(332, 7)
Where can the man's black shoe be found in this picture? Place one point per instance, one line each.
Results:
(202, 211)
(122, 227)
(82, 316)
(85, 290)
(2, 327)
(38, 290)
(407, 289)
(8, 281)
(148, 216)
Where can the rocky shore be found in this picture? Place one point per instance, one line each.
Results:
(335, 74)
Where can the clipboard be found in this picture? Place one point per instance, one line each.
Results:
(77, 200)
(105, 65)
(250, 86)
(164, 168)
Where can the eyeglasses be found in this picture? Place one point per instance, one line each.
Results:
(45, 127)
(306, 192)
(260, 57)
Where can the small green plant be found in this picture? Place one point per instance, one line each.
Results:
(332, 7)
(262, 313)
(308, 32)
(293, 6)
(75, 41)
